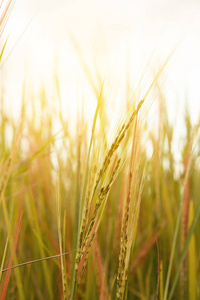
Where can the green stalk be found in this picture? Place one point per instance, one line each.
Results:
(185, 249)
(176, 233)
(73, 290)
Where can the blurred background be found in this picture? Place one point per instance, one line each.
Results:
(112, 38)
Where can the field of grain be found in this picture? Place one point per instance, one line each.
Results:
(98, 208)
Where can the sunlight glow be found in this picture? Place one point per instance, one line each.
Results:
(115, 39)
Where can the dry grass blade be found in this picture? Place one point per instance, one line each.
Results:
(37, 260)
(5, 10)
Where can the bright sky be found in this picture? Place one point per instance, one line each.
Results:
(107, 32)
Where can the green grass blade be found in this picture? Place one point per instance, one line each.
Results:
(185, 248)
